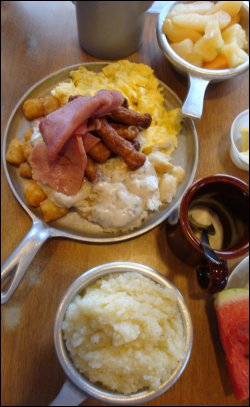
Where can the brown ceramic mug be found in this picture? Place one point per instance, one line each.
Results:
(230, 199)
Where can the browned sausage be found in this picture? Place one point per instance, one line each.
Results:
(92, 172)
(134, 159)
(100, 153)
(131, 117)
(127, 132)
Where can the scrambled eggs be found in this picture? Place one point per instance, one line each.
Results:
(144, 93)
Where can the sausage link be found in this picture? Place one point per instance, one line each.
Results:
(134, 159)
(131, 117)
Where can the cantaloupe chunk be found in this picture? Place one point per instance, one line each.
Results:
(237, 34)
(177, 34)
(219, 62)
(209, 45)
(231, 7)
(234, 54)
(199, 22)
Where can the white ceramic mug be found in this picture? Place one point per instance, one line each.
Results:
(111, 29)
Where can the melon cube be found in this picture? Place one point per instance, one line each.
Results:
(234, 54)
(231, 7)
(183, 48)
(209, 45)
(199, 22)
(237, 34)
(177, 34)
(200, 7)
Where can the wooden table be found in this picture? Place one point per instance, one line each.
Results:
(39, 38)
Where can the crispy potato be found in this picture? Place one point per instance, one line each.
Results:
(28, 134)
(52, 212)
(15, 152)
(50, 103)
(33, 193)
(33, 108)
(27, 148)
(38, 107)
(25, 170)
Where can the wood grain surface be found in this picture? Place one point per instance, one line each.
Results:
(39, 38)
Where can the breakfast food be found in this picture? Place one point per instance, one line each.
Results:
(95, 153)
(125, 332)
(232, 309)
(208, 34)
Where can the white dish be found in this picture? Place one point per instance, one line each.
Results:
(241, 121)
(239, 278)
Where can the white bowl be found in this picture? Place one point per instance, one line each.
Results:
(241, 121)
(239, 278)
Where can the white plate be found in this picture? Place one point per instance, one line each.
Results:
(239, 278)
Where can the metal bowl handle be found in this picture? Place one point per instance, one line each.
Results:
(22, 257)
(193, 104)
(69, 395)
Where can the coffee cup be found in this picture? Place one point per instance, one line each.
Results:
(111, 29)
(228, 198)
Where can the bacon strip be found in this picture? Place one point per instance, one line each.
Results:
(134, 159)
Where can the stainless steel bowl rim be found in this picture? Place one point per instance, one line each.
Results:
(74, 376)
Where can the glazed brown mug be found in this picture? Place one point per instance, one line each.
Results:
(228, 197)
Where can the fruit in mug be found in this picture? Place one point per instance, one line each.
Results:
(177, 34)
(234, 20)
(209, 45)
(237, 34)
(200, 7)
(234, 54)
(232, 310)
(231, 7)
(199, 22)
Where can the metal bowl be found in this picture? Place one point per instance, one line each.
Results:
(198, 78)
(81, 386)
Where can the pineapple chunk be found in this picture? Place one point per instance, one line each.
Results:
(237, 34)
(231, 7)
(234, 54)
(199, 22)
(183, 48)
(194, 59)
(234, 20)
(209, 45)
(177, 34)
(200, 7)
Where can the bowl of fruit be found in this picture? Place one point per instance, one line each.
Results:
(205, 40)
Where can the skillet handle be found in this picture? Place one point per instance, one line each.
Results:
(69, 395)
(22, 257)
(193, 104)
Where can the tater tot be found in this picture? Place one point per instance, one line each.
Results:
(52, 212)
(25, 170)
(33, 193)
(28, 134)
(27, 148)
(33, 108)
(38, 107)
(50, 103)
(15, 152)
